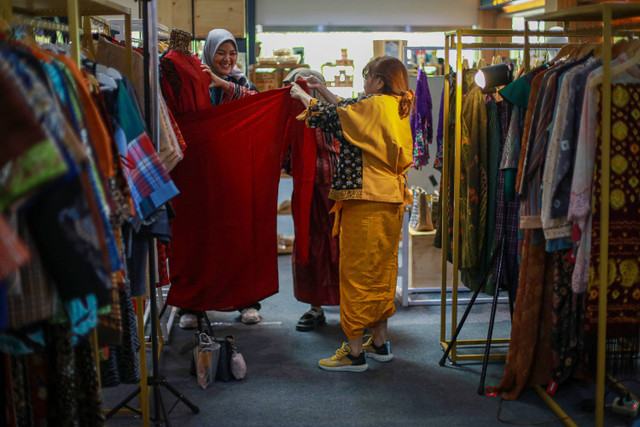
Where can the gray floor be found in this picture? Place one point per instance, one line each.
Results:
(285, 387)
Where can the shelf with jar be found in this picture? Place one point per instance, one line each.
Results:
(269, 71)
(339, 73)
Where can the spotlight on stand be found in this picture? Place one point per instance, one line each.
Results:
(488, 78)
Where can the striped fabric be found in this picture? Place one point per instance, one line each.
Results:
(148, 179)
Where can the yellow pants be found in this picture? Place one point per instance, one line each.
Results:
(369, 238)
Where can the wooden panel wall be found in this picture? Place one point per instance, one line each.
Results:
(175, 14)
(227, 14)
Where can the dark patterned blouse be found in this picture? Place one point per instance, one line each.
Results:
(348, 174)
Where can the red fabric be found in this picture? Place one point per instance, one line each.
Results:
(184, 85)
(224, 253)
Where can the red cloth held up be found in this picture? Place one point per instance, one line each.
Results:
(224, 235)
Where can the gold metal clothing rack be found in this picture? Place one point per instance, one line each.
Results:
(453, 39)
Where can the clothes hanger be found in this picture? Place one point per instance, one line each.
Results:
(106, 81)
(565, 52)
(618, 69)
(586, 50)
(114, 74)
(619, 47)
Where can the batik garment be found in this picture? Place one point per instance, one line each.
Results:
(316, 280)
(623, 276)
(529, 358)
(421, 121)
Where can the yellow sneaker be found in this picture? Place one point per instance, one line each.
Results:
(381, 354)
(344, 361)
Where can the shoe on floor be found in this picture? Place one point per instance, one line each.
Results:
(381, 354)
(250, 316)
(344, 361)
(310, 320)
(188, 321)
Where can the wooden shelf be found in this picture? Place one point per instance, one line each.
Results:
(279, 66)
(591, 12)
(59, 7)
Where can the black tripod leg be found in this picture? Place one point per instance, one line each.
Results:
(494, 306)
(459, 328)
(487, 348)
(180, 396)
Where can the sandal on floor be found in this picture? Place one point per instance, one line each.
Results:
(310, 320)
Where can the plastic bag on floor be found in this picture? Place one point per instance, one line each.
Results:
(206, 355)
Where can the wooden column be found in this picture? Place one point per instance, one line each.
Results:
(491, 19)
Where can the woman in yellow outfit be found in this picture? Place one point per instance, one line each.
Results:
(370, 189)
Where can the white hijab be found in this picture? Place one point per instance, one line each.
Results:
(214, 39)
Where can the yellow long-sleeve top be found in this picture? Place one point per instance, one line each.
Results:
(376, 149)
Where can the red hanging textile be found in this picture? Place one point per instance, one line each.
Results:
(224, 253)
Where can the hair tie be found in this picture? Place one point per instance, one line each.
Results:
(408, 94)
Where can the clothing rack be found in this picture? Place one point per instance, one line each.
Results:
(453, 39)
(605, 13)
(26, 12)
(40, 24)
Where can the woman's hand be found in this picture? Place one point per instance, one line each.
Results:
(314, 83)
(298, 93)
(215, 80)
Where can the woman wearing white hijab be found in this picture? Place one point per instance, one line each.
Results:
(228, 83)
(219, 58)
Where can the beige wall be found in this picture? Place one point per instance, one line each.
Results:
(378, 13)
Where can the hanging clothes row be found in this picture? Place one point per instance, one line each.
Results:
(485, 128)
(550, 152)
(81, 183)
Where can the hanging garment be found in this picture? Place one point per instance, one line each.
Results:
(580, 202)
(184, 85)
(421, 121)
(114, 55)
(561, 151)
(316, 281)
(623, 284)
(529, 359)
(473, 181)
(224, 254)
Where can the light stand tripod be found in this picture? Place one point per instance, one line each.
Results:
(500, 253)
(156, 379)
